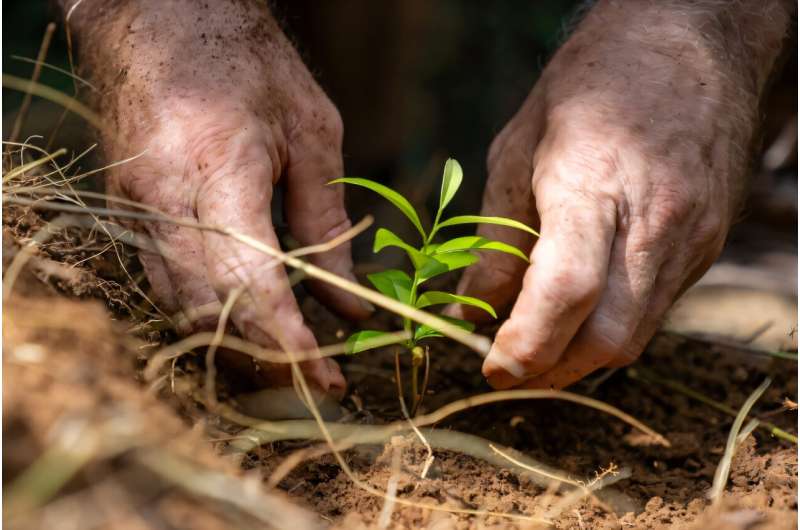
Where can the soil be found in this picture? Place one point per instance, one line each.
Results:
(70, 359)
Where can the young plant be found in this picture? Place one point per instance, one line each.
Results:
(428, 259)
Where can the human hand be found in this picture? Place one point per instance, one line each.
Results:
(222, 108)
(631, 155)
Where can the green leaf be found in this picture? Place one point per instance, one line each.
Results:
(426, 332)
(393, 283)
(482, 219)
(478, 243)
(451, 181)
(443, 263)
(440, 297)
(390, 195)
(367, 340)
(386, 238)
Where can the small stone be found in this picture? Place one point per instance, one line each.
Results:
(655, 503)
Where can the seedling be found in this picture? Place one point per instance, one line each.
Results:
(429, 259)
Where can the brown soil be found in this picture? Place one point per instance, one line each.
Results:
(67, 361)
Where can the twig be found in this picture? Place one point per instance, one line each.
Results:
(391, 489)
(246, 494)
(205, 338)
(37, 70)
(323, 429)
(54, 68)
(789, 356)
(345, 236)
(746, 431)
(558, 477)
(26, 252)
(30, 165)
(478, 343)
(216, 341)
(724, 467)
(606, 479)
(509, 395)
(49, 93)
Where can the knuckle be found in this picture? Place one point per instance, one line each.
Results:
(331, 120)
(589, 173)
(571, 287)
(667, 211)
(211, 145)
(710, 230)
(320, 121)
(496, 148)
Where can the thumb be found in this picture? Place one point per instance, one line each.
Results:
(497, 277)
(315, 211)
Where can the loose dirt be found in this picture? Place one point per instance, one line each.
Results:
(69, 359)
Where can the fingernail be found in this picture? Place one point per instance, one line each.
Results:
(366, 305)
(499, 358)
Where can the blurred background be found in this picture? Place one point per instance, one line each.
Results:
(415, 81)
(418, 81)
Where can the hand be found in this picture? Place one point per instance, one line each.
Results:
(223, 109)
(630, 154)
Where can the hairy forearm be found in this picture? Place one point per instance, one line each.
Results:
(741, 40)
(675, 77)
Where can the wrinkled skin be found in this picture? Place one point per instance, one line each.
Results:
(629, 154)
(222, 115)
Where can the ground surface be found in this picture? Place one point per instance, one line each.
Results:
(67, 364)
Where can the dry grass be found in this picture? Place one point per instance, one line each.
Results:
(41, 184)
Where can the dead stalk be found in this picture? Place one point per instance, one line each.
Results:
(37, 70)
(478, 343)
(216, 341)
(724, 467)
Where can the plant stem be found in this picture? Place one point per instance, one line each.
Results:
(407, 324)
(414, 386)
(424, 387)
(647, 376)
(398, 379)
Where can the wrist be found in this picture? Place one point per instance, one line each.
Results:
(739, 40)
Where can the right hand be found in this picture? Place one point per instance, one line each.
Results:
(223, 108)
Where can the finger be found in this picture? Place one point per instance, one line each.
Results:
(676, 276)
(608, 334)
(497, 277)
(561, 287)
(185, 267)
(175, 268)
(156, 271)
(315, 211)
(237, 195)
